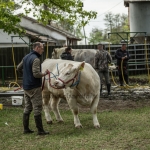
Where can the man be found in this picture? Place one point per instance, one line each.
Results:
(67, 54)
(122, 56)
(32, 81)
(102, 59)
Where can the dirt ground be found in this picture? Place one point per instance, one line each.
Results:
(121, 104)
(111, 105)
(104, 104)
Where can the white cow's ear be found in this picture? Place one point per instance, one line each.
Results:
(81, 66)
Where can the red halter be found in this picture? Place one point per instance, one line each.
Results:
(69, 80)
(60, 80)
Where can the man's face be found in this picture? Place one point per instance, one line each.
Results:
(100, 47)
(70, 51)
(40, 49)
(124, 47)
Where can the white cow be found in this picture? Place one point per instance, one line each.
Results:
(80, 55)
(68, 80)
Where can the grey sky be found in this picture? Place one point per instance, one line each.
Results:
(103, 7)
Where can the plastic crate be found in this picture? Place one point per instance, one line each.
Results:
(17, 100)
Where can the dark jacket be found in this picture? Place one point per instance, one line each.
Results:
(29, 81)
(102, 59)
(119, 54)
(67, 56)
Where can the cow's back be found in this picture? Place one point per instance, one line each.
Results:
(86, 55)
(80, 55)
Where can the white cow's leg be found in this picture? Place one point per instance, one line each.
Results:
(46, 108)
(75, 110)
(94, 112)
(54, 105)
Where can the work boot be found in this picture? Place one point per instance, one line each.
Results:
(26, 124)
(121, 80)
(39, 125)
(108, 88)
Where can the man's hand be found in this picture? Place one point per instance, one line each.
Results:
(46, 72)
(124, 57)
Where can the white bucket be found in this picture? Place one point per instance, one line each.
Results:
(17, 100)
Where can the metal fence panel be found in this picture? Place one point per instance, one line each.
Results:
(137, 64)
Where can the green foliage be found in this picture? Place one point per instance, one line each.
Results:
(60, 10)
(78, 32)
(96, 36)
(44, 11)
(114, 23)
(74, 29)
(8, 22)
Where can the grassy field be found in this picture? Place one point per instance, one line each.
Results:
(120, 130)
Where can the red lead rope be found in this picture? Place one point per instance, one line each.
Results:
(50, 82)
(58, 79)
(43, 83)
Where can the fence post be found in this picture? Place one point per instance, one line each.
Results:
(3, 81)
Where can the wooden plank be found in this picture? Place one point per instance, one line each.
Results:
(9, 94)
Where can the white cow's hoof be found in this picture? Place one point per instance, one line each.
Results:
(49, 122)
(97, 126)
(60, 121)
(79, 126)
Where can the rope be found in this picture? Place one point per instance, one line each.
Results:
(54, 76)
(126, 85)
(111, 71)
(47, 49)
(14, 83)
(14, 63)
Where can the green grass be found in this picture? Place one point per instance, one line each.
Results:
(120, 130)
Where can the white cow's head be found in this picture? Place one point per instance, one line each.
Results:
(54, 54)
(57, 52)
(68, 74)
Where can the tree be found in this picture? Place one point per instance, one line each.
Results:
(70, 10)
(9, 22)
(65, 25)
(60, 10)
(96, 36)
(45, 11)
(116, 23)
(109, 21)
(78, 32)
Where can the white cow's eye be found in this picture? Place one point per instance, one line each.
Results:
(68, 73)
